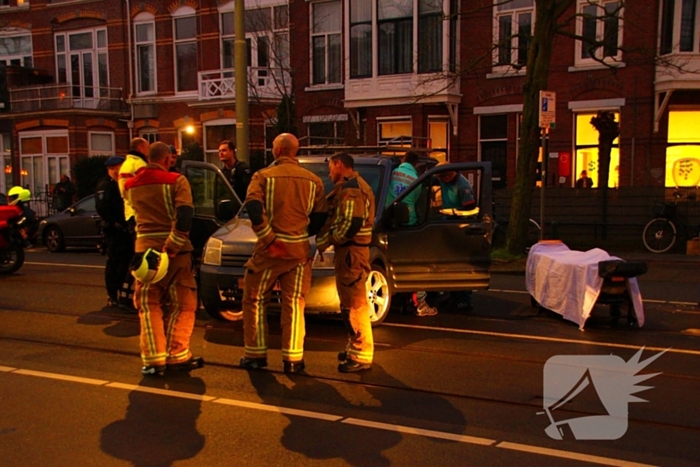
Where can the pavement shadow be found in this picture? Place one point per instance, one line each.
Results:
(126, 325)
(321, 439)
(157, 430)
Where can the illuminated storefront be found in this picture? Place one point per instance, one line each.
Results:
(587, 151)
(683, 151)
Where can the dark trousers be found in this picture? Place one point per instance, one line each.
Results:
(120, 250)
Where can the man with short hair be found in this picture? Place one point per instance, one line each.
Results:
(349, 230)
(236, 172)
(286, 204)
(172, 162)
(585, 181)
(135, 160)
(163, 210)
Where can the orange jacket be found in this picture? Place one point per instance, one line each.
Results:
(163, 209)
(280, 200)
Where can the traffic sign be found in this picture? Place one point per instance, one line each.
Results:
(548, 109)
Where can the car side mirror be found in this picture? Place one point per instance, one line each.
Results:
(225, 211)
(398, 214)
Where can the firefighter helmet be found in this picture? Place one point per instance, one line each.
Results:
(151, 266)
(17, 193)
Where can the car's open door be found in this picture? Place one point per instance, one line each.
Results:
(446, 248)
(215, 202)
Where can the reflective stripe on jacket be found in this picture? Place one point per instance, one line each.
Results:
(132, 164)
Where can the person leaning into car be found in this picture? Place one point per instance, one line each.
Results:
(286, 204)
(118, 241)
(163, 210)
(349, 230)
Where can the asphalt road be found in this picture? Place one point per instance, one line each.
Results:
(453, 389)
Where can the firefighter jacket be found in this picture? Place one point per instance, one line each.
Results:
(401, 178)
(351, 207)
(132, 163)
(286, 203)
(162, 203)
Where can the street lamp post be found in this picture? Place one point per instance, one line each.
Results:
(241, 76)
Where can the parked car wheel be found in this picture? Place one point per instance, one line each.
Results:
(378, 295)
(53, 239)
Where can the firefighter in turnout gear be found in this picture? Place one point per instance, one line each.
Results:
(349, 230)
(286, 204)
(163, 210)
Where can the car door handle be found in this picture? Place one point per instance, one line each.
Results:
(475, 230)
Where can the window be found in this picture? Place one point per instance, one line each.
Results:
(395, 26)
(214, 133)
(493, 146)
(360, 38)
(16, 47)
(678, 19)
(600, 27)
(185, 29)
(513, 31)
(145, 41)
(398, 132)
(325, 40)
(43, 158)
(430, 18)
(683, 151)
(82, 62)
(149, 134)
(227, 40)
(587, 151)
(326, 133)
(101, 144)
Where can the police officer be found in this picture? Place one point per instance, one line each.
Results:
(236, 172)
(286, 204)
(349, 230)
(116, 237)
(163, 210)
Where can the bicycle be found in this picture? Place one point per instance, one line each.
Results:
(662, 232)
(500, 226)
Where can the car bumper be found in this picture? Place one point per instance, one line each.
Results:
(221, 288)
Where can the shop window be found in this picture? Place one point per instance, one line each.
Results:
(396, 133)
(683, 151)
(587, 151)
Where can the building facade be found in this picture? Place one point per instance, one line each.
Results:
(445, 75)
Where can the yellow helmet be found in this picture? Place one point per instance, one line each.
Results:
(151, 267)
(17, 193)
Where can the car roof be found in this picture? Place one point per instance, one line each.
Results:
(368, 159)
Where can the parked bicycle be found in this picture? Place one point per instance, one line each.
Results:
(500, 226)
(663, 231)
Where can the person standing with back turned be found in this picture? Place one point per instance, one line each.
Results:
(349, 230)
(286, 204)
(163, 210)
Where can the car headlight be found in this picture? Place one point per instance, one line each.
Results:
(212, 252)
(327, 262)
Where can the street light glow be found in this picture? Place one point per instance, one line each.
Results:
(189, 129)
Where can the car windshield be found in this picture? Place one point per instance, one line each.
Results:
(371, 173)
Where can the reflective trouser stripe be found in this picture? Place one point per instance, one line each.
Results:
(293, 348)
(256, 289)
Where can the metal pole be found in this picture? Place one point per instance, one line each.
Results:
(543, 179)
(241, 76)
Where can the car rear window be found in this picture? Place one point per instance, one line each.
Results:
(371, 173)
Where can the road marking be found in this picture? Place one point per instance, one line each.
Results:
(89, 266)
(539, 338)
(465, 439)
(568, 455)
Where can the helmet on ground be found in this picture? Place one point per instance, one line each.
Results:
(152, 266)
(17, 193)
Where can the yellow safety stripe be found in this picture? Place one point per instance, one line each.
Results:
(154, 359)
(312, 196)
(152, 234)
(364, 355)
(262, 351)
(180, 357)
(168, 201)
(174, 313)
(177, 239)
(270, 199)
(292, 238)
(344, 221)
(260, 308)
(264, 232)
(294, 346)
(146, 323)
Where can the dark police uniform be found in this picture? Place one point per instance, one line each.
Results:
(239, 177)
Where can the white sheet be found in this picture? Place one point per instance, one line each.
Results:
(567, 282)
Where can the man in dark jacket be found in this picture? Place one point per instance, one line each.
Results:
(236, 172)
(63, 193)
(117, 239)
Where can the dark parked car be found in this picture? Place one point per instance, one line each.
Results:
(76, 226)
(445, 251)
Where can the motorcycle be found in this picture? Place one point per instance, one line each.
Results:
(13, 235)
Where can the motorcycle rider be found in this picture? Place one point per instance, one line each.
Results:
(18, 196)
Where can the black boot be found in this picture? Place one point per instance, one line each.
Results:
(153, 370)
(252, 363)
(294, 367)
(188, 365)
(351, 366)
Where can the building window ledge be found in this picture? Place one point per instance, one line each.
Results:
(596, 66)
(324, 87)
(506, 73)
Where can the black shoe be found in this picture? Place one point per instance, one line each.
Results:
(153, 370)
(188, 365)
(342, 356)
(252, 363)
(112, 303)
(351, 366)
(294, 367)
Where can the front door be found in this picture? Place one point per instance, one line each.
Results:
(449, 246)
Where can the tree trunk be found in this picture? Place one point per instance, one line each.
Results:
(539, 58)
(608, 129)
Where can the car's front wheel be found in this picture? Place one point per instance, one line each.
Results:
(378, 295)
(53, 239)
(231, 313)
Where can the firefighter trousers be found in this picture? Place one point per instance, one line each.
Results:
(294, 280)
(166, 338)
(351, 270)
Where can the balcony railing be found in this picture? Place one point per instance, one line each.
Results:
(263, 83)
(65, 96)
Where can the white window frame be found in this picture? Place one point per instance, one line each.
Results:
(515, 14)
(600, 31)
(676, 33)
(388, 120)
(150, 134)
(145, 18)
(212, 155)
(180, 13)
(45, 156)
(93, 152)
(25, 59)
(326, 35)
(102, 88)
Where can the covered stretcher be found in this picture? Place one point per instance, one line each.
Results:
(569, 282)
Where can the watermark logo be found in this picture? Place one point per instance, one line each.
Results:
(612, 380)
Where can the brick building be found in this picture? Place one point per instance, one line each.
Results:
(443, 74)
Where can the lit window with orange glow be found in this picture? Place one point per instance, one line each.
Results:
(683, 150)
(587, 151)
